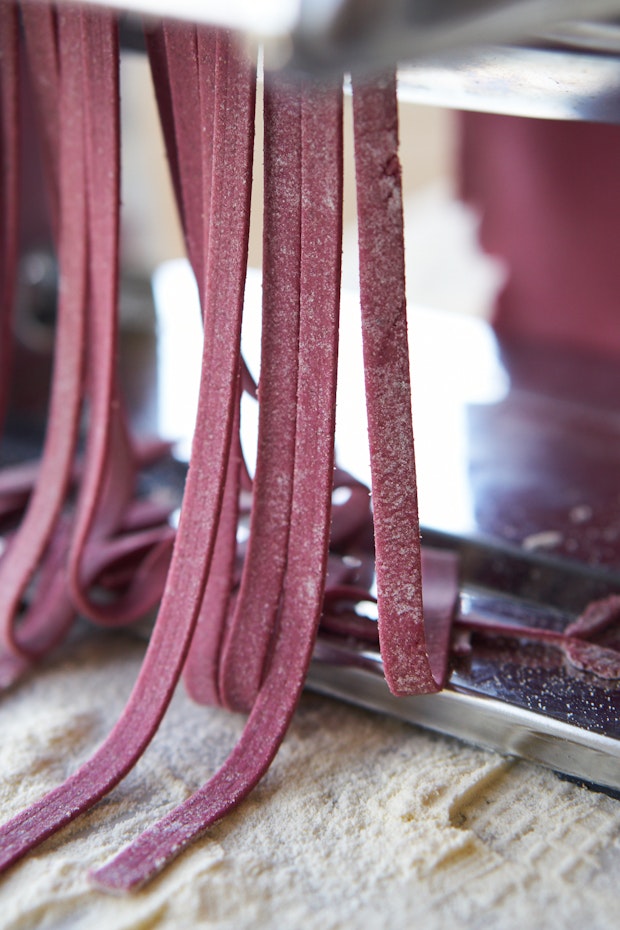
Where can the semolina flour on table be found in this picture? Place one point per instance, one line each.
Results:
(361, 820)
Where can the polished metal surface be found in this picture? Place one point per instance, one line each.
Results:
(482, 720)
(555, 59)
(549, 83)
(333, 30)
(350, 23)
(358, 33)
(587, 35)
(346, 33)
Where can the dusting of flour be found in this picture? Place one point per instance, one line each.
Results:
(361, 821)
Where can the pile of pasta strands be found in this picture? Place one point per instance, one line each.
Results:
(238, 624)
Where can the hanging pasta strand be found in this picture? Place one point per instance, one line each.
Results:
(40, 26)
(9, 187)
(402, 636)
(320, 114)
(251, 629)
(182, 59)
(108, 478)
(35, 532)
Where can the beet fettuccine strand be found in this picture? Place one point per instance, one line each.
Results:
(108, 480)
(29, 543)
(182, 59)
(388, 391)
(9, 187)
(228, 233)
(302, 594)
(41, 41)
(251, 629)
(201, 670)
(201, 504)
(39, 21)
(108, 455)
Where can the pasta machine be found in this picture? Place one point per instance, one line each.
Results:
(528, 458)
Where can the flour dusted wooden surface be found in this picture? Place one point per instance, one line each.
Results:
(361, 821)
